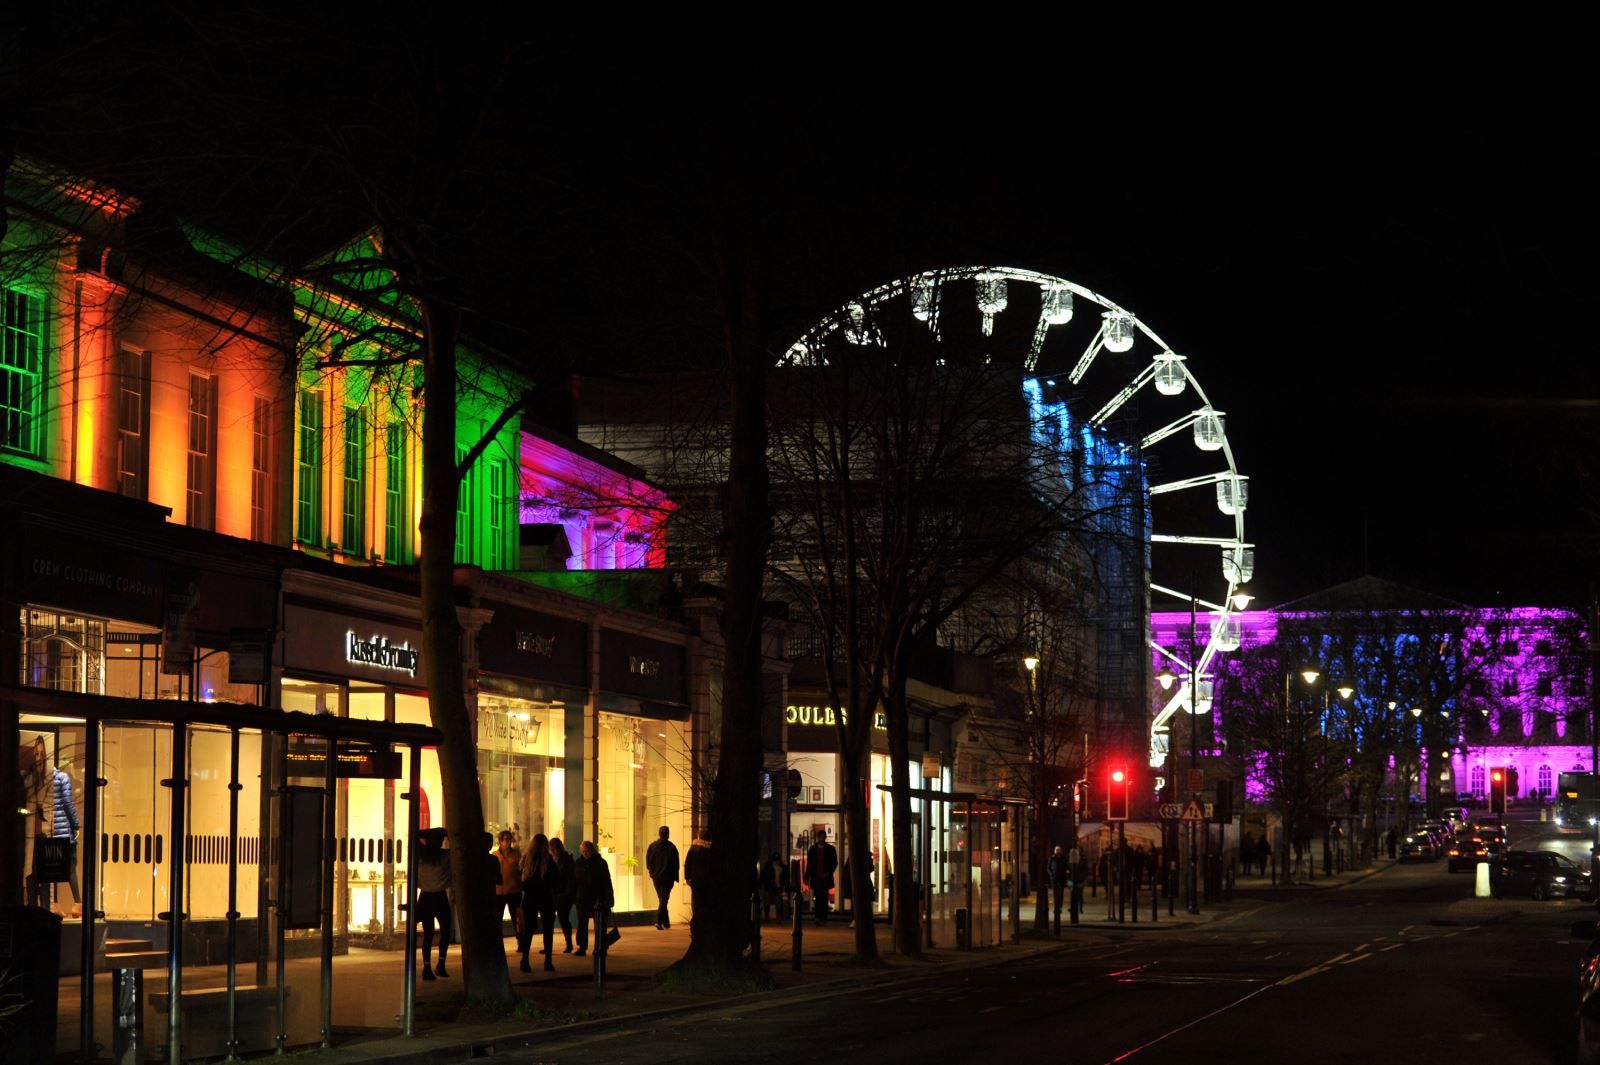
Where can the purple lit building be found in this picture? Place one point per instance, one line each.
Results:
(1489, 686)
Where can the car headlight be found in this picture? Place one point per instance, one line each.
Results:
(1559, 879)
(1594, 821)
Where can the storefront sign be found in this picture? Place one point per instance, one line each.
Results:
(651, 670)
(827, 715)
(376, 650)
(532, 645)
(64, 571)
(327, 643)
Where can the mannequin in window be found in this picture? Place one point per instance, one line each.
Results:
(60, 822)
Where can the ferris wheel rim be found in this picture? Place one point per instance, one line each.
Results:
(846, 316)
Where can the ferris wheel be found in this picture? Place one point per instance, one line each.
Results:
(1085, 358)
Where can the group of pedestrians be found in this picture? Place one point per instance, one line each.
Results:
(539, 886)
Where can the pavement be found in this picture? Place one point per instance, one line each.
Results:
(563, 1005)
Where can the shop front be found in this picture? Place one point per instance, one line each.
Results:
(645, 760)
(532, 691)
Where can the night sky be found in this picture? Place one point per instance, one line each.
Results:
(1386, 279)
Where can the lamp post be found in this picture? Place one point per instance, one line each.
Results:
(1345, 691)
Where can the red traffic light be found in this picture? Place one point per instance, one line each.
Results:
(1496, 775)
(1118, 776)
(1117, 793)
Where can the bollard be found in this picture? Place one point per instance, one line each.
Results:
(127, 1033)
(799, 935)
(1134, 901)
(755, 927)
(601, 912)
(1155, 904)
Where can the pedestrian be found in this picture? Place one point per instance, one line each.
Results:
(1392, 837)
(1058, 875)
(593, 877)
(774, 882)
(1263, 852)
(538, 873)
(566, 888)
(661, 862)
(696, 863)
(1105, 867)
(434, 891)
(508, 877)
(821, 863)
(1247, 850)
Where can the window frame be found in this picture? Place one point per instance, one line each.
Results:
(23, 328)
(200, 472)
(309, 438)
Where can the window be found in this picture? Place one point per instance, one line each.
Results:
(499, 504)
(1544, 780)
(353, 533)
(1543, 647)
(308, 479)
(1477, 781)
(201, 495)
(133, 416)
(261, 469)
(396, 519)
(465, 507)
(1546, 686)
(1511, 647)
(1509, 686)
(21, 372)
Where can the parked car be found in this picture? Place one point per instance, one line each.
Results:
(1541, 875)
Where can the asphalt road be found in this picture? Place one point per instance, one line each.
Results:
(1403, 966)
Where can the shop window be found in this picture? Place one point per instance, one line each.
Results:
(308, 473)
(63, 652)
(522, 764)
(133, 420)
(353, 533)
(645, 775)
(396, 513)
(201, 494)
(21, 373)
(261, 469)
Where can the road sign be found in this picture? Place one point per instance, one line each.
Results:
(1194, 811)
(1197, 780)
(1171, 811)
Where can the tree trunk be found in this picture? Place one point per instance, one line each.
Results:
(719, 930)
(907, 906)
(858, 827)
(483, 962)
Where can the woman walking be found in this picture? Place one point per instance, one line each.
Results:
(538, 900)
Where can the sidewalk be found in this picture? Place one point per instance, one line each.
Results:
(564, 1001)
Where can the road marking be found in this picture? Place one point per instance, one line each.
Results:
(1362, 947)
(1392, 946)
(991, 1009)
(1358, 957)
(1337, 957)
(1126, 1054)
(1297, 977)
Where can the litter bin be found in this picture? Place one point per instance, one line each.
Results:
(963, 935)
(30, 974)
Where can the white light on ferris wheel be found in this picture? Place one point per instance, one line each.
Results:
(1208, 430)
(1169, 379)
(991, 300)
(1233, 494)
(1118, 331)
(1057, 305)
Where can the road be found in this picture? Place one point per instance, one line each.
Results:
(1402, 966)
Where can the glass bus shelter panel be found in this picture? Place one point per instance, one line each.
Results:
(294, 954)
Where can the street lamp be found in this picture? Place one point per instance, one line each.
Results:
(1165, 678)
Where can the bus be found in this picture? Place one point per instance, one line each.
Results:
(1576, 806)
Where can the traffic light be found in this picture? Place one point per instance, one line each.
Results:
(1497, 790)
(1511, 782)
(1118, 781)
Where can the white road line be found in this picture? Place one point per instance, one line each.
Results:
(1297, 977)
(1362, 947)
(1337, 957)
(1358, 957)
(1126, 1054)
(1392, 946)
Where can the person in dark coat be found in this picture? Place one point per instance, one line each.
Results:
(1058, 876)
(566, 888)
(594, 889)
(697, 862)
(538, 899)
(774, 882)
(661, 862)
(432, 906)
(822, 861)
(1263, 853)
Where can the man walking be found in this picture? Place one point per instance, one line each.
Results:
(1058, 875)
(661, 862)
(821, 862)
